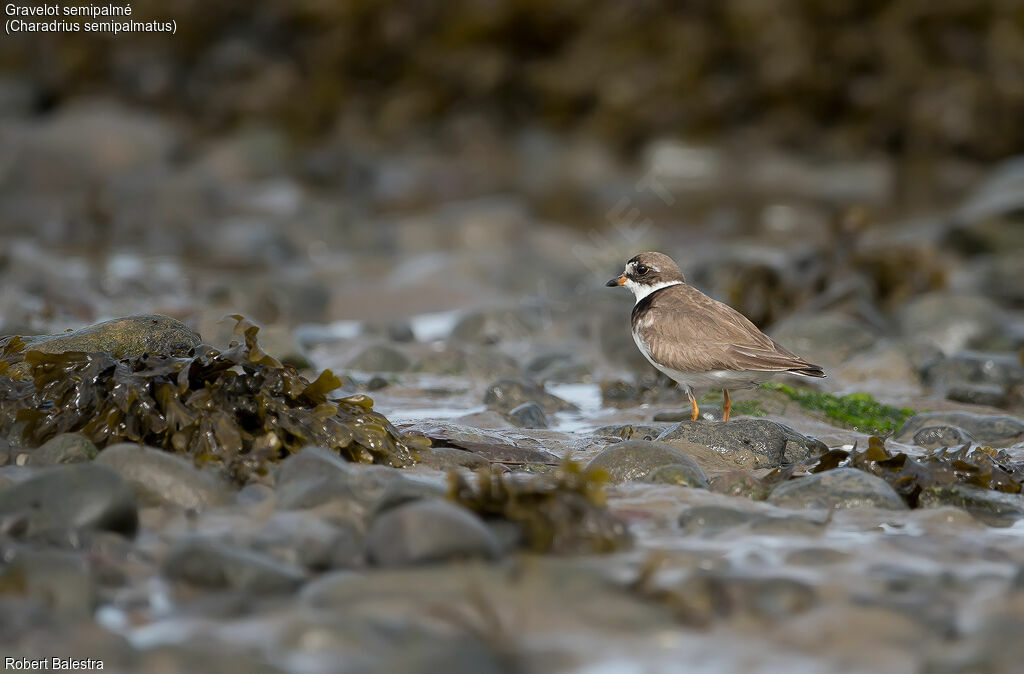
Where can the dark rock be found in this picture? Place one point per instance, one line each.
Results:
(507, 394)
(633, 431)
(1002, 370)
(160, 477)
(396, 331)
(380, 358)
(71, 497)
(714, 519)
(992, 507)
(827, 339)
(839, 488)
(428, 531)
(62, 581)
(301, 538)
(558, 366)
(128, 337)
(636, 459)
(528, 415)
(315, 477)
(767, 443)
(974, 377)
(679, 474)
(491, 446)
(212, 564)
(64, 448)
(954, 322)
(449, 458)
(992, 430)
(376, 383)
(496, 325)
(977, 394)
(933, 437)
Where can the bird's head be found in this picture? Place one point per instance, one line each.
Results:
(647, 272)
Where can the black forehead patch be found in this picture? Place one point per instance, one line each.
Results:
(635, 258)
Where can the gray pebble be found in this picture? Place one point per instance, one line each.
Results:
(528, 415)
(161, 478)
(839, 488)
(73, 496)
(422, 532)
(64, 448)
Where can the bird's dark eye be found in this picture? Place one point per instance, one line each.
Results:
(642, 269)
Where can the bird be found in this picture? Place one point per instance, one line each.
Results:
(698, 341)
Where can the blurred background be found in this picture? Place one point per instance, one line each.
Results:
(353, 173)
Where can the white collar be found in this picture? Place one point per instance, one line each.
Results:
(641, 291)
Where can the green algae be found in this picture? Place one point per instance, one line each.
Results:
(562, 511)
(240, 408)
(981, 467)
(858, 411)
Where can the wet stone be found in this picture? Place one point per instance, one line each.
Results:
(212, 564)
(767, 444)
(633, 431)
(934, 437)
(428, 531)
(64, 448)
(128, 337)
(634, 460)
(449, 458)
(992, 507)
(992, 430)
(828, 339)
(495, 325)
(977, 394)
(679, 474)
(161, 478)
(714, 519)
(528, 415)
(72, 497)
(839, 488)
(303, 539)
(316, 477)
(953, 322)
(505, 395)
(380, 358)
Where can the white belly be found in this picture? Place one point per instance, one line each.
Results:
(726, 379)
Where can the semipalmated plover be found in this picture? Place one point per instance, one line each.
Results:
(697, 341)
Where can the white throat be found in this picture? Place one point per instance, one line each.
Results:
(641, 291)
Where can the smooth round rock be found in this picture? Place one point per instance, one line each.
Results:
(160, 477)
(995, 430)
(634, 460)
(64, 448)
(528, 415)
(840, 488)
(73, 496)
(428, 531)
(934, 437)
(680, 474)
(209, 563)
(758, 442)
(449, 458)
(380, 358)
(507, 394)
(127, 337)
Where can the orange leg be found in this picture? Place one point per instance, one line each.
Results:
(693, 405)
(727, 406)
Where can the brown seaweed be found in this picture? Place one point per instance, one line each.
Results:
(982, 467)
(562, 511)
(239, 408)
